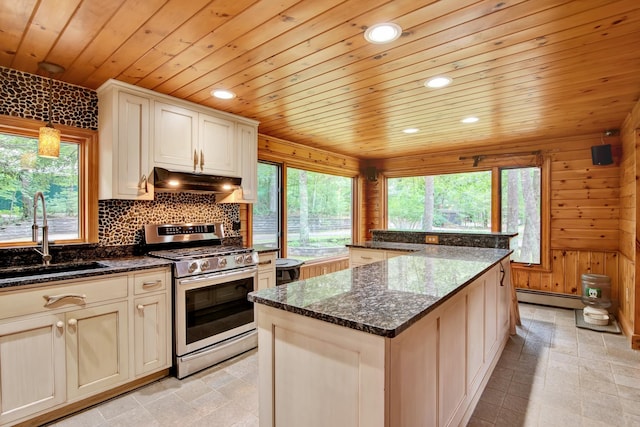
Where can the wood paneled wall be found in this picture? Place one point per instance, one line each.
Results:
(308, 271)
(629, 291)
(584, 228)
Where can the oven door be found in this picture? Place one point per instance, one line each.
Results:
(211, 308)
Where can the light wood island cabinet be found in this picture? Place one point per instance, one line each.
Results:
(70, 340)
(387, 344)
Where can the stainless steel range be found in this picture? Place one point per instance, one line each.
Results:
(213, 320)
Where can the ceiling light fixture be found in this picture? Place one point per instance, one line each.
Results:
(438, 82)
(223, 94)
(411, 130)
(48, 136)
(470, 119)
(383, 33)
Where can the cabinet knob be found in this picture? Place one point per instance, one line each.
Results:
(72, 322)
(140, 307)
(59, 324)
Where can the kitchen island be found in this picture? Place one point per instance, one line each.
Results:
(410, 341)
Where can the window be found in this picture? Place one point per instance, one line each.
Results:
(266, 210)
(521, 212)
(453, 202)
(69, 184)
(22, 174)
(319, 214)
(462, 202)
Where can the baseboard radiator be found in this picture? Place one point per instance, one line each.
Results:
(549, 298)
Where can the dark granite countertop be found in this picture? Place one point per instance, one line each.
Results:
(263, 249)
(384, 298)
(112, 266)
(389, 246)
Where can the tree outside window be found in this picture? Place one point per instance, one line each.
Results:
(319, 214)
(22, 174)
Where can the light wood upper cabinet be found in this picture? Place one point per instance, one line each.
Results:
(124, 120)
(218, 146)
(175, 137)
(141, 129)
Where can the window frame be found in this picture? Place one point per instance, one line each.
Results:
(544, 163)
(88, 170)
(283, 237)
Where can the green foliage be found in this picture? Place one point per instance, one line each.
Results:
(23, 173)
(460, 201)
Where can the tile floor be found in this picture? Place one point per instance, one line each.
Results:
(550, 374)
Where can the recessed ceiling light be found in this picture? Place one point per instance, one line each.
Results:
(382, 33)
(223, 94)
(411, 130)
(470, 119)
(438, 82)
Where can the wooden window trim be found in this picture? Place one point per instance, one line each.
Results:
(88, 186)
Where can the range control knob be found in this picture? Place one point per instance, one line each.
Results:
(238, 259)
(222, 262)
(193, 266)
(204, 265)
(248, 259)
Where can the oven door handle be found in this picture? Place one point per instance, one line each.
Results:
(216, 276)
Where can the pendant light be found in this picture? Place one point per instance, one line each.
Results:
(49, 137)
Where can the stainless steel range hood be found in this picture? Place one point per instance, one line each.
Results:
(176, 181)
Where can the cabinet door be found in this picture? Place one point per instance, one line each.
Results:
(32, 369)
(150, 329)
(175, 137)
(248, 144)
(97, 348)
(359, 256)
(132, 157)
(267, 271)
(217, 148)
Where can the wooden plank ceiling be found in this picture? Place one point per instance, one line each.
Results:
(526, 69)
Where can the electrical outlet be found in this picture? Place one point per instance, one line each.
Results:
(431, 239)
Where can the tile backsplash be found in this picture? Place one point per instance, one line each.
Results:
(120, 222)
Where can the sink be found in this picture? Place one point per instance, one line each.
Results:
(39, 270)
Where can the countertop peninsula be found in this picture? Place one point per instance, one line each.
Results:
(385, 298)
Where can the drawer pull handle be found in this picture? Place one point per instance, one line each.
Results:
(366, 257)
(264, 262)
(151, 283)
(55, 298)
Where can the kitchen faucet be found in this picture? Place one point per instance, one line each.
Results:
(46, 257)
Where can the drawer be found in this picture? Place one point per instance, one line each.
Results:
(149, 281)
(64, 294)
(365, 256)
(267, 261)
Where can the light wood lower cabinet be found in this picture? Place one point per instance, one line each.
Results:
(32, 366)
(97, 348)
(70, 340)
(267, 270)
(361, 256)
(152, 333)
